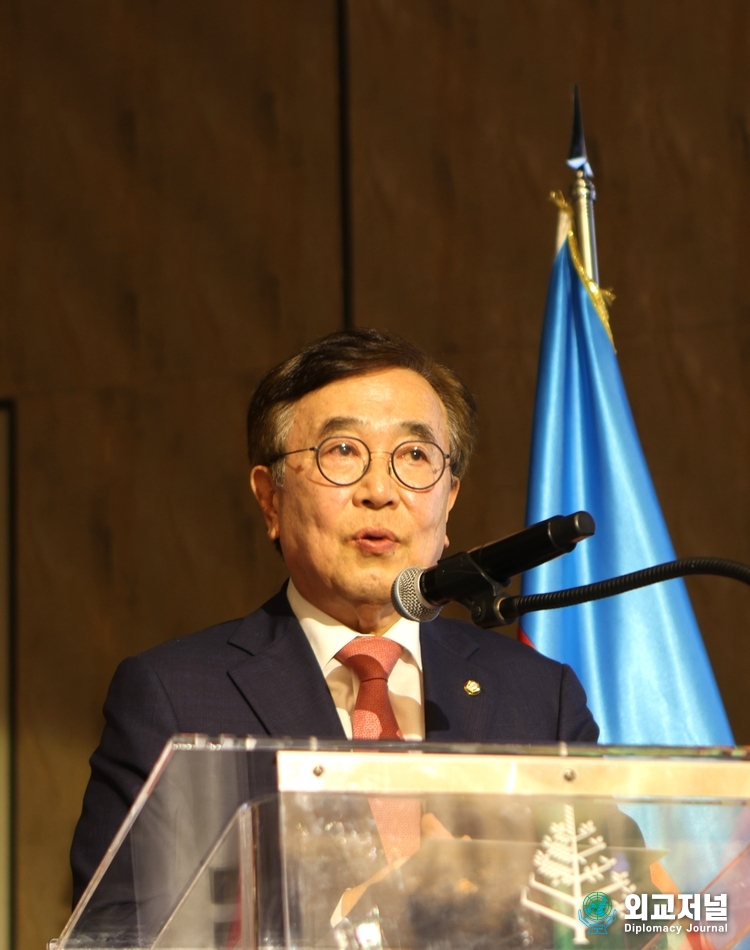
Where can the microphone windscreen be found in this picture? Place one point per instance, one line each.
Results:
(407, 597)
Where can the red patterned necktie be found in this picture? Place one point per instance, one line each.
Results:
(372, 660)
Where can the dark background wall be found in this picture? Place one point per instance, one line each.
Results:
(171, 224)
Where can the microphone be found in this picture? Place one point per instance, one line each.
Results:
(421, 593)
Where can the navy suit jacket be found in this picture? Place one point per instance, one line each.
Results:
(259, 676)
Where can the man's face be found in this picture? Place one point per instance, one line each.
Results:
(344, 545)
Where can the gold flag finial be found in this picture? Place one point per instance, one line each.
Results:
(583, 193)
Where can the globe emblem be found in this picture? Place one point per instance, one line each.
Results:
(597, 906)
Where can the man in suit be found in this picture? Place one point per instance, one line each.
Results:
(357, 446)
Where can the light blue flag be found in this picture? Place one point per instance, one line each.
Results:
(639, 655)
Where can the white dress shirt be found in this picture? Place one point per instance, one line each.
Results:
(327, 636)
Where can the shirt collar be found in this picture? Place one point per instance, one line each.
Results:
(327, 636)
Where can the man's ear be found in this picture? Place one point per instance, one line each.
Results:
(452, 495)
(264, 488)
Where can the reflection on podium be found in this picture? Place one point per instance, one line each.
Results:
(244, 843)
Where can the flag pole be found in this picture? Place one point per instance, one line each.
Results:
(583, 193)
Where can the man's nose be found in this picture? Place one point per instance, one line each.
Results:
(377, 488)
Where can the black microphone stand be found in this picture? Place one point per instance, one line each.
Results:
(499, 610)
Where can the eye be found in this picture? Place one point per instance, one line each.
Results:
(341, 449)
(413, 453)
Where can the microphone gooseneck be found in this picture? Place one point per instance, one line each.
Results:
(510, 608)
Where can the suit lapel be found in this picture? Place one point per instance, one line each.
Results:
(280, 677)
(448, 662)
(283, 684)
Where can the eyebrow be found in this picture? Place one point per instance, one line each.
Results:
(419, 430)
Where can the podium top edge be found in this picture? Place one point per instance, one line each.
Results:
(620, 777)
(199, 741)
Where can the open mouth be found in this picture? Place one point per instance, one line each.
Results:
(375, 534)
(375, 540)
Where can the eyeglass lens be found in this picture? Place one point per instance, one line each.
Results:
(416, 464)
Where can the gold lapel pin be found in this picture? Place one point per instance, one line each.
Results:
(472, 688)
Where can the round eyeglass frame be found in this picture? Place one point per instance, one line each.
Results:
(391, 465)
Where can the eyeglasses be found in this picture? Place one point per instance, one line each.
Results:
(344, 461)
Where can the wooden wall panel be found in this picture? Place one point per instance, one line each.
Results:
(6, 654)
(460, 125)
(172, 230)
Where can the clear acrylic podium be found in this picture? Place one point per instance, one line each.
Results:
(248, 843)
